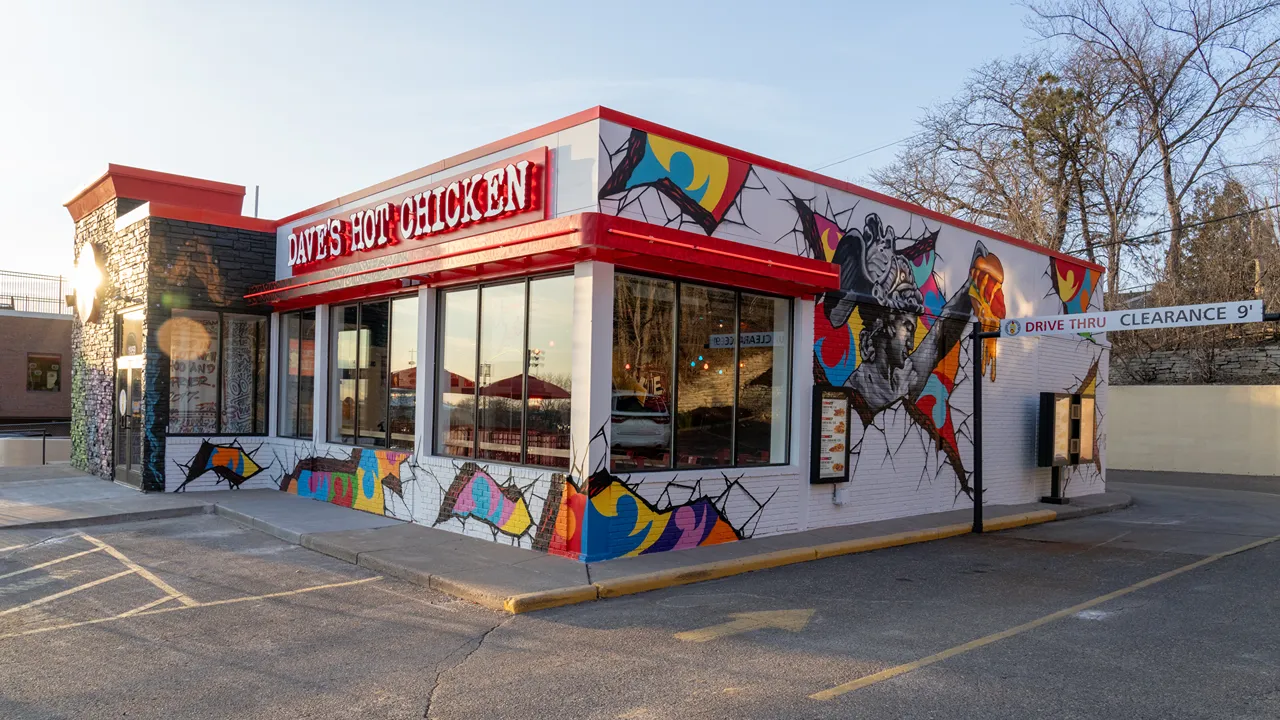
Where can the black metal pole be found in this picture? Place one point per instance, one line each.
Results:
(976, 477)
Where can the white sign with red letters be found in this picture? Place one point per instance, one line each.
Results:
(1224, 313)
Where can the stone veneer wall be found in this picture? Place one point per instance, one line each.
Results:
(1257, 365)
(163, 264)
(123, 259)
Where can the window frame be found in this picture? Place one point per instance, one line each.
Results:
(44, 356)
(284, 368)
(738, 292)
(436, 393)
(262, 334)
(328, 433)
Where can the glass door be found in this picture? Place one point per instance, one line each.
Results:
(128, 399)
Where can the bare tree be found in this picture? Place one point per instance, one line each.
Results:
(1198, 69)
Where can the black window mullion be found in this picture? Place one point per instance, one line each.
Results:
(475, 385)
(672, 412)
(355, 411)
(737, 381)
(524, 400)
(386, 406)
(217, 423)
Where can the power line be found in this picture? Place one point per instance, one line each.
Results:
(867, 152)
(1210, 221)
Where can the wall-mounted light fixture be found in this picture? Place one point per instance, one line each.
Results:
(87, 282)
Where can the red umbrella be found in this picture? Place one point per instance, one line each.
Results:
(512, 387)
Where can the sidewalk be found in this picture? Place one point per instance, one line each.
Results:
(497, 576)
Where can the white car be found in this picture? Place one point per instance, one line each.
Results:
(640, 423)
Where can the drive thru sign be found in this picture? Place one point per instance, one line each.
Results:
(1224, 313)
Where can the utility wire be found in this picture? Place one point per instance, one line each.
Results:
(1156, 233)
(867, 152)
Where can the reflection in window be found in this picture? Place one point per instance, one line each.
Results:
(705, 377)
(456, 409)
(523, 363)
(763, 371)
(550, 369)
(193, 372)
(366, 345)
(643, 325)
(501, 371)
(298, 358)
(217, 372)
(731, 364)
(403, 396)
(44, 372)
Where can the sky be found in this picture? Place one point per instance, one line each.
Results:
(313, 100)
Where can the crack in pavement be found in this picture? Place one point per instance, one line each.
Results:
(440, 672)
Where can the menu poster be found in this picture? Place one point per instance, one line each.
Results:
(830, 452)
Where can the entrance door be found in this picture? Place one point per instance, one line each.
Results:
(128, 430)
(128, 397)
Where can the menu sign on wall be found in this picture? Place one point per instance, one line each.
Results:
(829, 454)
(509, 192)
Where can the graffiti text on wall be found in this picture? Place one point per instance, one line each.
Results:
(358, 482)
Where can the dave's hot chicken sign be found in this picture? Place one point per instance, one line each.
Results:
(506, 193)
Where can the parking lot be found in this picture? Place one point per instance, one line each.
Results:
(1140, 613)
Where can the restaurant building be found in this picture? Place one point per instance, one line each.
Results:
(598, 338)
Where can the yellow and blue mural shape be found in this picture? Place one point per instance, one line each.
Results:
(231, 463)
(474, 495)
(359, 482)
(702, 184)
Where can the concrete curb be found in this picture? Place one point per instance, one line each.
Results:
(115, 518)
(495, 599)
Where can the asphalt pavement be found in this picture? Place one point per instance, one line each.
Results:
(1140, 613)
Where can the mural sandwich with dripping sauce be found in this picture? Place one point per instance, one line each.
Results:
(599, 338)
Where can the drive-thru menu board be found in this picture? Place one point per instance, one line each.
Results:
(829, 455)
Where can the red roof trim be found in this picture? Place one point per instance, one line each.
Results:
(684, 137)
(151, 185)
(493, 147)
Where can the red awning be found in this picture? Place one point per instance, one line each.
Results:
(557, 244)
(512, 387)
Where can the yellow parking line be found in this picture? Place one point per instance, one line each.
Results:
(12, 547)
(139, 612)
(995, 637)
(150, 577)
(64, 593)
(143, 608)
(73, 556)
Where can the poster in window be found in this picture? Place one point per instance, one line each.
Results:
(44, 373)
(192, 340)
(239, 370)
(831, 410)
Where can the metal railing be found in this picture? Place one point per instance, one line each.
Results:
(29, 292)
(42, 430)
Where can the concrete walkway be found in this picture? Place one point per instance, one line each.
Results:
(492, 574)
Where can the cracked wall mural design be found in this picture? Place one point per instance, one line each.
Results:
(230, 462)
(360, 481)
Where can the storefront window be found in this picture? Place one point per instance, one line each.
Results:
(643, 358)
(217, 368)
(729, 354)
(402, 402)
(365, 347)
(298, 337)
(515, 340)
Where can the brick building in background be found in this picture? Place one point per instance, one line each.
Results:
(35, 324)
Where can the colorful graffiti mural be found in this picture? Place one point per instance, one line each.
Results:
(475, 495)
(703, 185)
(1074, 284)
(358, 482)
(890, 333)
(229, 462)
(612, 519)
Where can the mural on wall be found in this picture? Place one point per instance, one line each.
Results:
(474, 494)
(891, 332)
(698, 189)
(230, 462)
(359, 482)
(1073, 284)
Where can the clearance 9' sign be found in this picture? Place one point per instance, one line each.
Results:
(507, 193)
